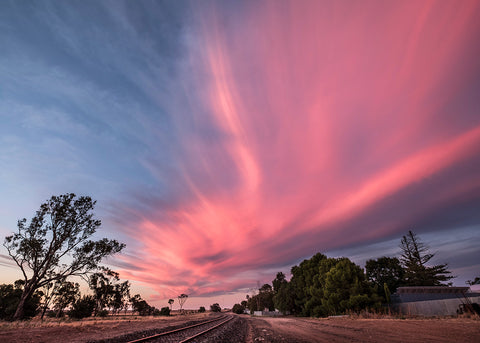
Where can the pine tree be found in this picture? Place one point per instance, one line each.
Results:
(415, 258)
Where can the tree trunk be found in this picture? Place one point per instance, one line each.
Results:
(27, 293)
(19, 313)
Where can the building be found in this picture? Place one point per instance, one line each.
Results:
(432, 300)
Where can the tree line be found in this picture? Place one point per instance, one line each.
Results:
(322, 286)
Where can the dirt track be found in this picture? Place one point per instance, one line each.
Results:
(365, 330)
(274, 330)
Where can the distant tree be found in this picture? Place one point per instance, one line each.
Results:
(66, 294)
(170, 302)
(265, 294)
(475, 281)
(384, 270)
(215, 308)
(283, 298)
(414, 259)
(238, 309)
(56, 244)
(141, 306)
(10, 296)
(103, 286)
(165, 311)
(48, 292)
(182, 298)
(120, 298)
(201, 309)
(82, 307)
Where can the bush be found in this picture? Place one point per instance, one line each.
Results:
(238, 309)
(102, 313)
(201, 309)
(83, 307)
(215, 308)
(10, 297)
(165, 311)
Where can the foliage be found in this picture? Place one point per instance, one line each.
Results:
(475, 281)
(263, 300)
(414, 259)
(322, 286)
(10, 297)
(83, 307)
(346, 289)
(170, 302)
(238, 309)
(384, 270)
(66, 294)
(215, 308)
(61, 228)
(108, 291)
(165, 311)
(141, 306)
(201, 309)
(182, 298)
(283, 298)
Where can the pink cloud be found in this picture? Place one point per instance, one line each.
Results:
(322, 111)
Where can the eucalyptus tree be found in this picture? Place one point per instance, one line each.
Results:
(56, 244)
(182, 298)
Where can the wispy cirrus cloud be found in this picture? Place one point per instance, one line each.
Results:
(326, 129)
(225, 141)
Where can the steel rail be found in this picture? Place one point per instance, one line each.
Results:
(144, 339)
(205, 331)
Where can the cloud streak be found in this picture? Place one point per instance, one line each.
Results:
(324, 119)
(226, 141)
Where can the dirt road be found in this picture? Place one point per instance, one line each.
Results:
(363, 330)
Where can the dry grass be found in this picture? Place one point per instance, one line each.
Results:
(55, 322)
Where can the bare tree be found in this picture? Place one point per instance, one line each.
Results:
(182, 298)
(56, 244)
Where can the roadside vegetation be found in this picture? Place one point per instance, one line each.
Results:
(323, 286)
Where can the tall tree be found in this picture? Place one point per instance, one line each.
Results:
(56, 244)
(384, 270)
(170, 302)
(103, 286)
(66, 294)
(182, 298)
(415, 257)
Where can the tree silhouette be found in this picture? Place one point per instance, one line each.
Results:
(56, 244)
(414, 259)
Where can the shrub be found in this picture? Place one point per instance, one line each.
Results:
(215, 308)
(83, 307)
(201, 309)
(10, 297)
(165, 311)
(102, 313)
(238, 309)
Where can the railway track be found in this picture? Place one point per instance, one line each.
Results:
(188, 333)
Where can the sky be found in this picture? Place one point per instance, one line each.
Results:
(225, 141)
